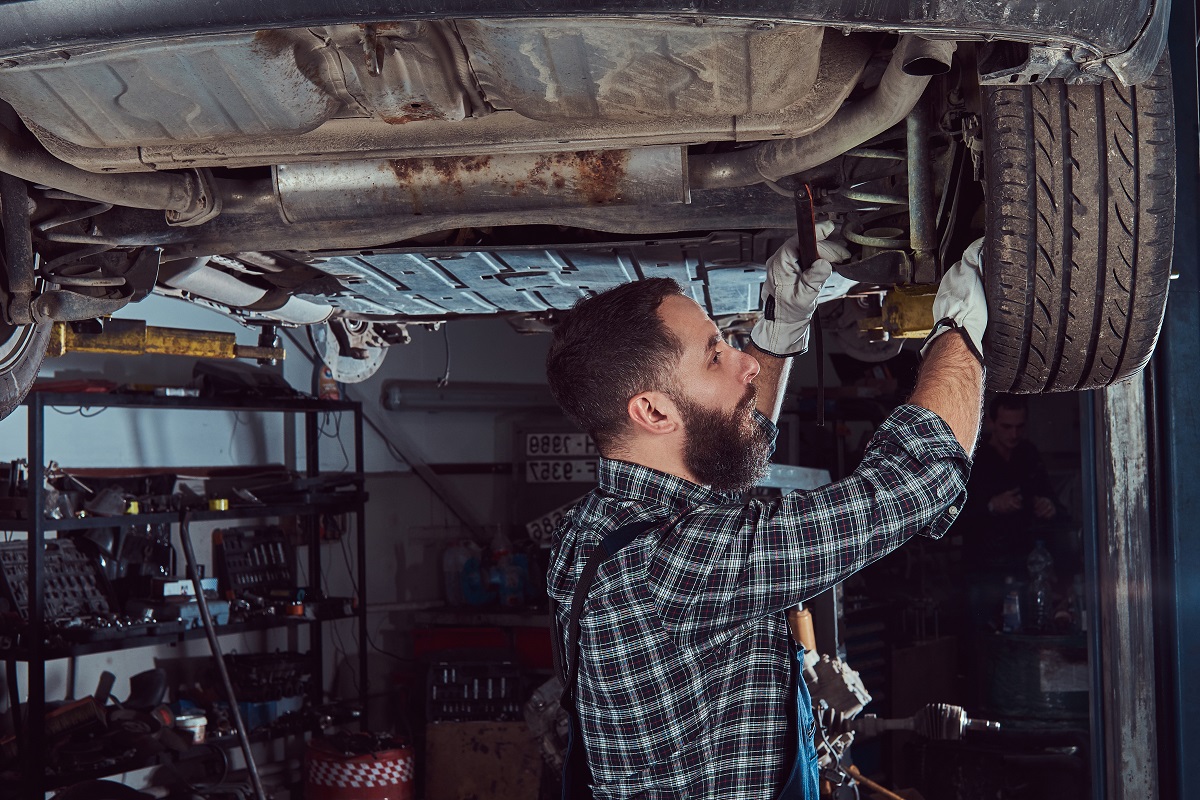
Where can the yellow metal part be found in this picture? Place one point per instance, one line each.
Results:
(133, 337)
(907, 314)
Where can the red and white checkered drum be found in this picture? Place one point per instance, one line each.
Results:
(384, 775)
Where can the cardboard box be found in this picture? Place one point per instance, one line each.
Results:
(473, 760)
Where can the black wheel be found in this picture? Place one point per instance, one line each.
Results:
(22, 348)
(1080, 212)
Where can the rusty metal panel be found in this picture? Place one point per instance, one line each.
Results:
(415, 187)
(191, 90)
(633, 69)
(401, 71)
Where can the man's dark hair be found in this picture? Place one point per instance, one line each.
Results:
(1012, 402)
(608, 348)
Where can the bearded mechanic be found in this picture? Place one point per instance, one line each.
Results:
(687, 677)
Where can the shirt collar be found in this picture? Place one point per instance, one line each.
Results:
(636, 482)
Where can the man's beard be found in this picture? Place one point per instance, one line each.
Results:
(727, 452)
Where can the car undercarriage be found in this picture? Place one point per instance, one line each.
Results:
(372, 168)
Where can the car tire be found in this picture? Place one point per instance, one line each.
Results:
(1080, 210)
(22, 348)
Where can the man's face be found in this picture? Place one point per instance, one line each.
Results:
(1008, 427)
(715, 396)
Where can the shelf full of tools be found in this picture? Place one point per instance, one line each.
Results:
(62, 596)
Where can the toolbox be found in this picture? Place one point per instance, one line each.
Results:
(256, 561)
(471, 689)
(75, 586)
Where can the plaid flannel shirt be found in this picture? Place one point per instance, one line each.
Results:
(685, 669)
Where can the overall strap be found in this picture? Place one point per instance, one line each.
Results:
(609, 546)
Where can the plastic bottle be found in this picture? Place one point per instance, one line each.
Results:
(506, 575)
(1011, 617)
(1040, 608)
(476, 591)
(454, 559)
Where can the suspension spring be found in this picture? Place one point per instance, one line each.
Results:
(862, 226)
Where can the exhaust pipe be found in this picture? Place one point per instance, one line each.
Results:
(188, 198)
(928, 57)
(353, 190)
(897, 93)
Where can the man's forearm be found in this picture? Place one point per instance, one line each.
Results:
(950, 384)
(771, 382)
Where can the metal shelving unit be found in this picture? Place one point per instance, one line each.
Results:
(31, 644)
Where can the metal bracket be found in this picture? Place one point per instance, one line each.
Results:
(1075, 66)
(64, 306)
(205, 205)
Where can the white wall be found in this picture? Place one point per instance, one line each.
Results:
(407, 526)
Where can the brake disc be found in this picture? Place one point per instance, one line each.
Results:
(352, 349)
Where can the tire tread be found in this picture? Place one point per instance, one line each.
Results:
(1076, 279)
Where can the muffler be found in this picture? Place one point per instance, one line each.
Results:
(354, 190)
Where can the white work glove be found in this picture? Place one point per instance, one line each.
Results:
(960, 302)
(790, 294)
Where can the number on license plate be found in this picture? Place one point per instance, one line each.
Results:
(560, 471)
(559, 444)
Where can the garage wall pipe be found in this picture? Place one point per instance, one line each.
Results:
(856, 123)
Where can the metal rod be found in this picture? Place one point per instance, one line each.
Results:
(872, 785)
(875, 152)
(921, 208)
(35, 706)
(876, 198)
(360, 540)
(312, 464)
(806, 234)
(14, 705)
(214, 645)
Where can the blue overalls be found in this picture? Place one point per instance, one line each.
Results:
(802, 784)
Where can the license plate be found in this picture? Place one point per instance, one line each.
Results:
(559, 444)
(541, 530)
(560, 471)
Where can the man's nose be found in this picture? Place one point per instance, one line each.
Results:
(752, 367)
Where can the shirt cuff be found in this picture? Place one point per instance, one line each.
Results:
(927, 438)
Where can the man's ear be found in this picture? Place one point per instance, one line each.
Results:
(653, 412)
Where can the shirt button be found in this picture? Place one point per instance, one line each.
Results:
(953, 511)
